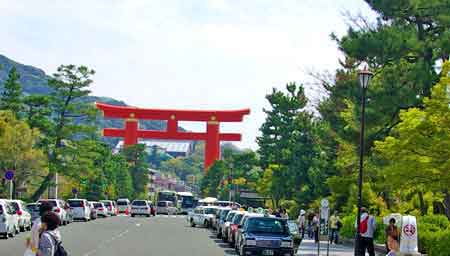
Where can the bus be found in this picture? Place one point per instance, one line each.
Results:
(168, 195)
(187, 202)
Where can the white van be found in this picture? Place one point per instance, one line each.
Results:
(80, 209)
(123, 205)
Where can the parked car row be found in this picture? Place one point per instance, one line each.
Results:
(16, 216)
(249, 233)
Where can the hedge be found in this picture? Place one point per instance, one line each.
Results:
(433, 233)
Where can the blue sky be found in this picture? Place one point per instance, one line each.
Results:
(200, 54)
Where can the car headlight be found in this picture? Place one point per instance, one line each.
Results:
(251, 242)
(286, 244)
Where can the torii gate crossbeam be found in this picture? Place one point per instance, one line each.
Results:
(131, 133)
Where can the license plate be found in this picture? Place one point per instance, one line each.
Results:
(267, 252)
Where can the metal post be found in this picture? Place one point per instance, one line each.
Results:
(56, 185)
(329, 238)
(318, 236)
(360, 179)
(10, 189)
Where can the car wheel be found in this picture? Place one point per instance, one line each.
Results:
(192, 223)
(219, 234)
(22, 228)
(132, 215)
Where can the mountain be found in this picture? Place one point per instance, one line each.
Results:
(34, 81)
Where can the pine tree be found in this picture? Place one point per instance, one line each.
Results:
(11, 97)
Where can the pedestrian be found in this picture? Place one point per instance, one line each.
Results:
(284, 214)
(391, 231)
(366, 230)
(316, 227)
(301, 223)
(44, 208)
(393, 246)
(278, 213)
(50, 240)
(335, 225)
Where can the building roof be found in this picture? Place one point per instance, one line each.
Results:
(167, 145)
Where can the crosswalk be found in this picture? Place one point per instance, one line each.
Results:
(159, 216)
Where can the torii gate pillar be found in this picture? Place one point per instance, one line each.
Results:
(131, 132)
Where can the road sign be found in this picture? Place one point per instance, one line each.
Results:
(9, 175)
(74, 191)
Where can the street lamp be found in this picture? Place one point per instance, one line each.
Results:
(231, 181)
(364, 79)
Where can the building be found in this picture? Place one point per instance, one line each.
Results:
(159, 181)
(174, 148)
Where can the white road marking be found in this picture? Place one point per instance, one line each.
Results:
(138, 224)
(105, 242)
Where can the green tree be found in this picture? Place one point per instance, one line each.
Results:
(18, 151)
(417, 153)
(69, 85)
(11, 97)
(136, 156)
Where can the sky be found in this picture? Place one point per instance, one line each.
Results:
(184, 54)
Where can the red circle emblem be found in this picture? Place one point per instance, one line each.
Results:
(409, 230)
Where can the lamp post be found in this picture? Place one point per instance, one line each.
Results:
(364, 79)
(231, 181)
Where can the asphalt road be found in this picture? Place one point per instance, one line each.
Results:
(122, 235)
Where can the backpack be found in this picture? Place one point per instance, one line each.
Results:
(363, 225)
(59, 249)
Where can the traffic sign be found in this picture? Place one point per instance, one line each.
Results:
(9, 175)
(74, 191)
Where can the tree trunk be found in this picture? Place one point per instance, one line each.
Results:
(44, 185)
(447, 203)
(423, 207)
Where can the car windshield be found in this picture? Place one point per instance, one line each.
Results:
(122, 203)
(76, 203)
(230, 216)
(267, 225)
(33, 207)
(293, 228)
(15, 206)
(140, 203)
(162, 204)
(108, 204)
(237, 218)
(98, 205)
(223, 214)
(51, 202)
(210, 210)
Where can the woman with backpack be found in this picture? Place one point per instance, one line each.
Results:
(50, 239)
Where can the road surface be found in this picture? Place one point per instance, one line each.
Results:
(122, 235)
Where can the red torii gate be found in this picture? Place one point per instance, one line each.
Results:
(212, 137)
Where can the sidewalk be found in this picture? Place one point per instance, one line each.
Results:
(309, 248)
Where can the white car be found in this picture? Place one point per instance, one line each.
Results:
(226, 224)
(80, 209)
(123, 205)
(9, 221)
(101, 209)
(140, 207)
(24, 217)
(59, 208)
(166, 207)
(110, 207)
(203, 216)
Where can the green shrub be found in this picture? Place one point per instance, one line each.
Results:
(434, 235)
(348, 229)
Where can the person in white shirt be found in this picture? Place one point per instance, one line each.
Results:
(301, 223)
(367, 230)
